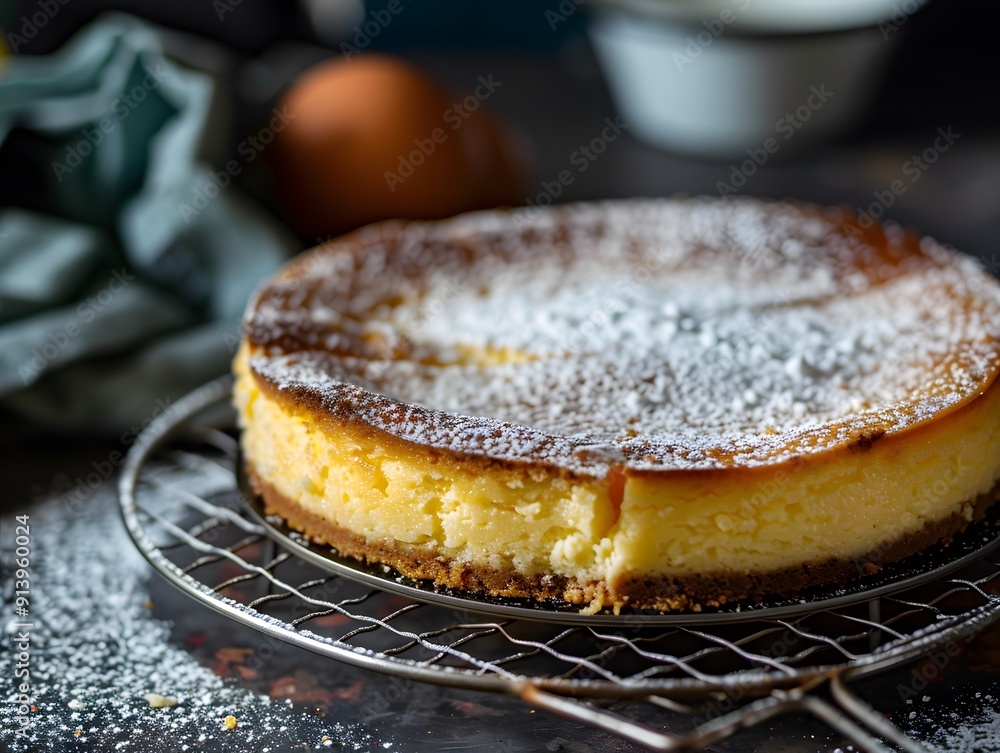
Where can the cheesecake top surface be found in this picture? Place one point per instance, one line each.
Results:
(652, 335)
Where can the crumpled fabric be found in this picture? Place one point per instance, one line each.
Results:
(119, 291)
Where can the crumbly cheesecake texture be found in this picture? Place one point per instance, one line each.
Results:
(666, 404)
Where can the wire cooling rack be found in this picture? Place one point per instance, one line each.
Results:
(183, 508)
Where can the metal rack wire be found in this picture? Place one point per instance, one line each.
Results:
(183, 508)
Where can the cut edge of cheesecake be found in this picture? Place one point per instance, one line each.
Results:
(692, 592)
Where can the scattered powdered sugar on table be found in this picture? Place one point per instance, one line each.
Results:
(965, 732)
(659, 334)
(96, 651)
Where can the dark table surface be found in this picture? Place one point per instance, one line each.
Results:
(109, 629)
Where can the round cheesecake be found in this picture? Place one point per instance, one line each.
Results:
(662, 404)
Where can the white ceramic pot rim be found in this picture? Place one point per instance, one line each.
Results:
(775, 16)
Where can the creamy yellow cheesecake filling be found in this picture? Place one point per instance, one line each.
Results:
(661, 403)
(843, 504)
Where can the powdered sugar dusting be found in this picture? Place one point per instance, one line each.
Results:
(97, 651)
(654, 334)
(975, 728)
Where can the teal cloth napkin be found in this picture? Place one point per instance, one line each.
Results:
(114, 298)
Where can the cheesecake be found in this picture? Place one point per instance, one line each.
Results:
(663, 404)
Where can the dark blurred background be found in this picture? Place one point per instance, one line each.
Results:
(947, 64)
(943, 73)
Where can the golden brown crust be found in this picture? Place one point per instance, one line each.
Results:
(666, 594)
(336, 423)
(343, 278)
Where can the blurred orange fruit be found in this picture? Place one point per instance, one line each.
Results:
(375, 138)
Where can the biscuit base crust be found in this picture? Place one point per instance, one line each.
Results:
(649, 592)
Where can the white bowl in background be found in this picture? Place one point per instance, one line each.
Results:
(720, 77)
